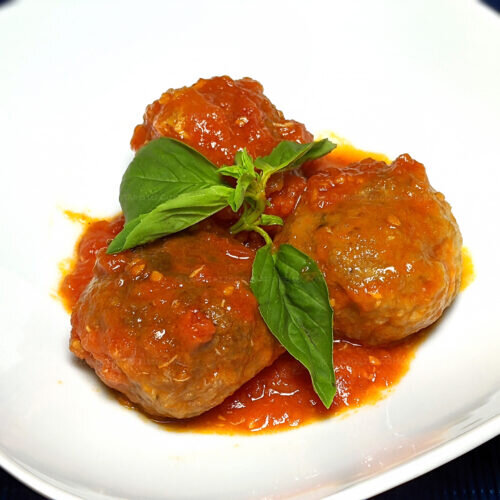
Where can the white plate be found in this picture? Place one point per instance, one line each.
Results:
(394, 77)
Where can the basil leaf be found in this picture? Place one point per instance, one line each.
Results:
(171, 216)
(245, 173)
(161, 170)
(294, 302)
(245, 162)
(271, 220)
(289, 155)
(238, 197)
(232, 171)
(118, 243)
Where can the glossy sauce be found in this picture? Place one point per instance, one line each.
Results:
(218, 117)
(281, 396)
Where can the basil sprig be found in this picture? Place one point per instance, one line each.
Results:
(294, 302)
(169, 187)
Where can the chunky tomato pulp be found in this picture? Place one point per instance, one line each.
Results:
(281, 396)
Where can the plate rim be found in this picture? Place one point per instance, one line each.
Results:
(426, 461)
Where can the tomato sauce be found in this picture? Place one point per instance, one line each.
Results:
(468, 272)
(281, 396)
(96, 235)
(218, 117)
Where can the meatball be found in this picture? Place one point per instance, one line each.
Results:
(173, 325)
(387, 243)
(218, 117)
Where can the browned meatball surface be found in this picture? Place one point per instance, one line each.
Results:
(387, 243)
(173, 325)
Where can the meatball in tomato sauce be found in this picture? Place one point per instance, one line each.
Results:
(173, 325)
(218, 117)
(387, 243)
